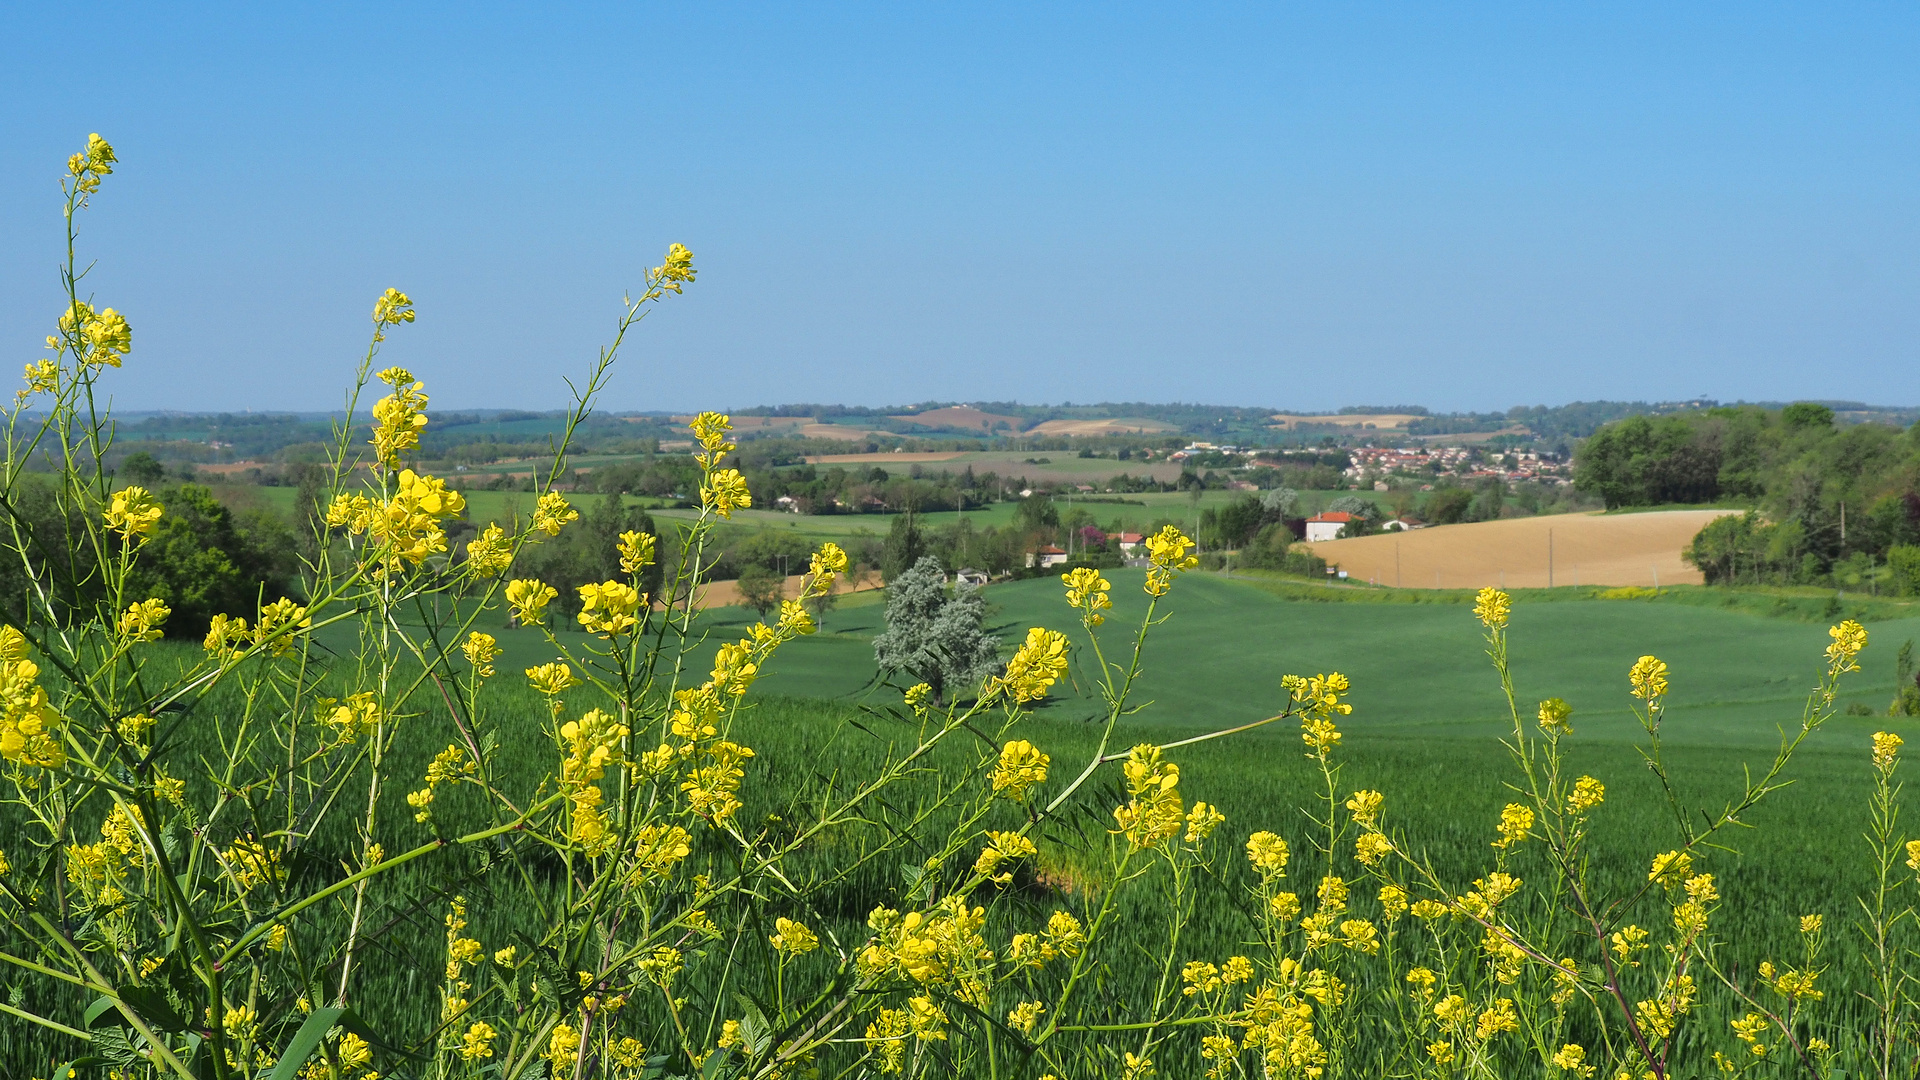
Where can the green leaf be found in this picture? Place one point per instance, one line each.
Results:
(305, 1042)
(755, 1034)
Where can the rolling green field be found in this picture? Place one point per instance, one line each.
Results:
(1425, 731)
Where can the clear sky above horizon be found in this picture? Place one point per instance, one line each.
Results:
(1301, 206)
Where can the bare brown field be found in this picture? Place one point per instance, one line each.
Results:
(841, 432)
(881, 459)
(1587, 549)
(1101, 427)
(727, 593)
(963, 417)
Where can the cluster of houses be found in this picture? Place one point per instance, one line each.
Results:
(1127, 542)
(1515, 467)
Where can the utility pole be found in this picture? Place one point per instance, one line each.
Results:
(1396, 563)
(1549, 558)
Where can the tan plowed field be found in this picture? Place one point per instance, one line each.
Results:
(1587, 549)
(727, 593)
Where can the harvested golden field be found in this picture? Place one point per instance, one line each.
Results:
(964, 418)
(1587, 549)
(1377, 421)
(1123, 426)
(882, 459)
(727, 593)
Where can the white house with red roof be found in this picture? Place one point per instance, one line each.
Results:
(1327, 526)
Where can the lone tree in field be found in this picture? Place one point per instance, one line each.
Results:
(936, 638)
(760, 588)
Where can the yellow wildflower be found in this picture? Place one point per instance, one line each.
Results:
(477, 1043)
(481, 651)
(1021, 766)
(133, 513)
(1811, 924)
(1087, 592)
(725, 490)
(793, 938)
(1886, 746)
(392, 308)
(1371, 847)
(1167, 554)
(1648, 677)
(829, 560)
(490, 553)
(1515, 821)
(1040, 661)
(141, 621)
(1556, 716)
(99, 338)
(1365, 808)
(529, 598)
(608, 608)
(552, 513)
(1491, 607)
(1268, 853)
(1587, 793)
(1671, 868)
(1201, 821)
(636, 552)
(1572, 1058)
(1848, 639)
(399, 417)
(1155, 811)
(552, 679)
(1025, 1016)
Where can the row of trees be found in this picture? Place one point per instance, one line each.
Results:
(1830, 502)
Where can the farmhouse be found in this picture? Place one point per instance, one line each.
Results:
(1047, 556)
(1402, 524)
(969, 576)
(1327, 526)
(1127, 540)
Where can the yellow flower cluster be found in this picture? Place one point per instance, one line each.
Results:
(1020, 767)
(1556, 717)
(1040, 661)
(1168, 553)
(1320, 695)
(391, 308)
(1648, 677)
(1516, 820)
(29, 726)
(481, 651)
(1587, 793)
(925, 947)
(677, 269)
(98, 338)
(88, 166)
(1492, 607)
(490, 553)
(592, 743)
(1886, 749)
(1064, 936)
(636, 552)
(1002, 847)
(792, 938)
(1848, 639)
(609, 608)
(657, 849)
(529, 598)
(42, 377)
(711, 430)
(448, 766)
(407, 526)
(552, 513)
(399, 417)
(133, 513)
(358, 715)
(277, 623)
(142, 621)
(1269, 854)
(1087, 593)
(1155, 812)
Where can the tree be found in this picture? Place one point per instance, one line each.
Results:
(760, 588)
(142, 468)
(936, 637)
(204, 561)
(904, 549)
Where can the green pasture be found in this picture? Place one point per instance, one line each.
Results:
(1426, 731)
(1218, 658)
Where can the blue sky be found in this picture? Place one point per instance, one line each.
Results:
(1303, 206)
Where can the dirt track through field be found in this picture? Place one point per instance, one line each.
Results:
(1587, 549)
